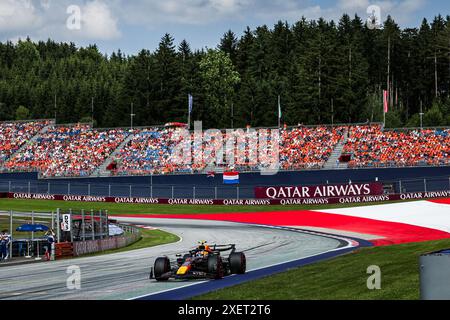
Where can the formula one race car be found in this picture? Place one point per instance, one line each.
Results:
(203, 262)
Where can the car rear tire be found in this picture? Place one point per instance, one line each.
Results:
(238, 263)
(162, 266)
(215, 266)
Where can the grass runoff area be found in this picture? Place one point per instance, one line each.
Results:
(149, 238)
(342, 278)
(126, 208)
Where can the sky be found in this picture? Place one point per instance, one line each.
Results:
(131, 25)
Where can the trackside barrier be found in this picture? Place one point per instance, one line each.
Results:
(241, 202)
(200, 187)
(93, 246)
(64, 250)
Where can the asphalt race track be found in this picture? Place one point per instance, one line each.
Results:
(126, 275)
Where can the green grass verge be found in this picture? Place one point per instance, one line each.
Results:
(343, 278)
(149, 238)
(119, 208)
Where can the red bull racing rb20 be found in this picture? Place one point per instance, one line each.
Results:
(203, 262)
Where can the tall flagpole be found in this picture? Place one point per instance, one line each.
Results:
(55, 108)
(388, 85)
(385, 105)
(92, 111)
(421, 115)
(189, 110)
(132, 115)
(279, 111)
(232, 115)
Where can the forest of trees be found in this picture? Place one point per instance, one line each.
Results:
(323, 71)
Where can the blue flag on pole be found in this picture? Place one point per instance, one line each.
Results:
(191, 103)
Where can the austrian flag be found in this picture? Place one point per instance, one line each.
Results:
(231, 177)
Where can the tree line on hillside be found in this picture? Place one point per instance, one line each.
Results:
(321, 71)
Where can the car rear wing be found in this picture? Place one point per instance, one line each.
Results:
(224, 248)
(215, 248)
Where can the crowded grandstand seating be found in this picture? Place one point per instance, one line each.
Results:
(148, 152)
(67, 151)
(308, 148)
(370, 146)
(13, 135)
(71, 151)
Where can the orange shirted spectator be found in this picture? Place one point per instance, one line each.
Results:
(370, 146)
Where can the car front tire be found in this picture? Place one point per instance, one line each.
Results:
(162, 266)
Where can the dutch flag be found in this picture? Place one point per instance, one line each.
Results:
(231, 177)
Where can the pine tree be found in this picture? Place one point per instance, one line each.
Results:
(167, 81)
(228, 44)
(311, 65)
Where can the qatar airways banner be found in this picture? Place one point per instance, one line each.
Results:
(324, 191)
(238, 202)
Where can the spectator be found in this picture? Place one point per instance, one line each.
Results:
(308, 148)
(14, 135)
(372, 147)
(5, 240)
(50, 244)
(68, 151)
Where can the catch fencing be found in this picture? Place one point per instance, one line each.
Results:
(177, 191)
(84, 232)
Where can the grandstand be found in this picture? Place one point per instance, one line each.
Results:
(308, 148)
(81, 151)
(370, 146)
(13, 135)
(66, 151)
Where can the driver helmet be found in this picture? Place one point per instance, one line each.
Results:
(203, 248)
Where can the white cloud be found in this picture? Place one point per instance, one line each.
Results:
(191, 12)
(98, 22)
(353, 5)
(402, 11)
(43, 19)
(405, 9)
(17, 15)
(155, 13)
